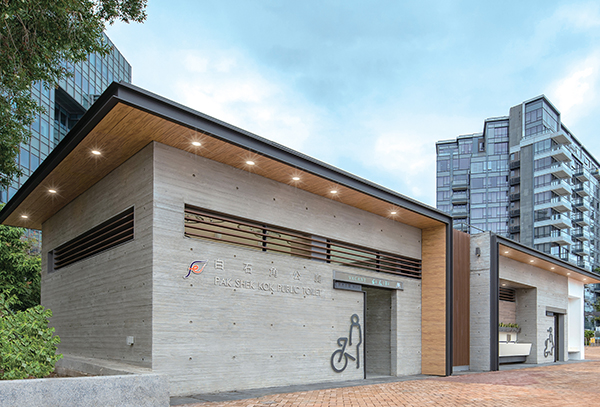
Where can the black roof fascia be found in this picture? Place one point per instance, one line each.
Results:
(544, 256)
(174, 112)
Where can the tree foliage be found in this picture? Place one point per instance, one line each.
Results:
(20, 271)
(27, 344)
(36, 38)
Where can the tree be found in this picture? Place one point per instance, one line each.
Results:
(20, 271)
(37, 37)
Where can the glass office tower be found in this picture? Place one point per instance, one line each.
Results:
(525, 177)
(65, 105)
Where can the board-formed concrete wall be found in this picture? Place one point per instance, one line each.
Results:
(551, 290)
(255, 319)
(480, 303)
(99, 301)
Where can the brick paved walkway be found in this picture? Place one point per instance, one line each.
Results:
(555, 385)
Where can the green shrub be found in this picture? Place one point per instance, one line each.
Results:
(27, 344)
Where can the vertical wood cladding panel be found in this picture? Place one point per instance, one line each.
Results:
(433, 314)
(461, 289)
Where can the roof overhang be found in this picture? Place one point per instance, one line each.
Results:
(126, 118)
(527, 255)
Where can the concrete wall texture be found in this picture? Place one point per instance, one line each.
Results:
(257, 335)
(547, 289)
(251, 319)
(480, 303)
(99, 301)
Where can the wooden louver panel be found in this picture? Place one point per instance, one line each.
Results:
(203, 224)
(116, 230)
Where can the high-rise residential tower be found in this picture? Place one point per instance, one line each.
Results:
(64, 105)
(525, 177)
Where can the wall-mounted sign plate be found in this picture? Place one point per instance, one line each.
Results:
(389, 283)
(340, 285)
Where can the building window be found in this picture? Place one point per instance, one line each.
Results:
(500, 148)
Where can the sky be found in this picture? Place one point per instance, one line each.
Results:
(370, 86)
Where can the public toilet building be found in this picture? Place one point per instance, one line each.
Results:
(176, 243)
(514, 304)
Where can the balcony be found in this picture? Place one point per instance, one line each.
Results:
(557, 220)
(514, 197)
(459, 198)
(559, 204)
(514, 180)
(559, 169)
(560, 153)
(459, 211)
(460, 184)
(581, 219)
(581, 235)
(584, 264)
(513, 213)
(558, 186)
(514, 229)
(581, 205)
(581, 174)
(596, 174)
(582, 189)
(514, 164)
(561, 238)
(561, 137)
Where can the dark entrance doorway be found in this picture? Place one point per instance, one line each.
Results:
(378, 331)
(553, 344)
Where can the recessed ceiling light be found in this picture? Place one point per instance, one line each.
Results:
(506, 252)
(568, 274)
(333, 191)
(96, 152)
(296, 178)
(52, 191)
(503, 285)
(250, 162)
(24, 216)
(196, 143)
(551, 268)
(584, 279)
(531, 261)
(393, 212)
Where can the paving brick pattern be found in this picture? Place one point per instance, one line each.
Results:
(554, 385)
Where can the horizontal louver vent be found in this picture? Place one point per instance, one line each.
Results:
(114, 231)
(507, 294)
(227, 229)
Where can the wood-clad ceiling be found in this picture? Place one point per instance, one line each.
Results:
(124, 130)
(538, 262)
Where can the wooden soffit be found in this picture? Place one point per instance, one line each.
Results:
(539, 260)
(118, 127)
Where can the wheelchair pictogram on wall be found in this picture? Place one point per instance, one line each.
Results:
(339, 358)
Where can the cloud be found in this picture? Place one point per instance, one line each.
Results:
(575, 93)
(228, 85)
